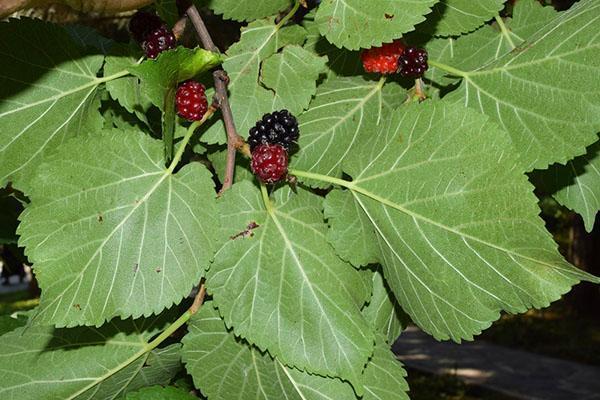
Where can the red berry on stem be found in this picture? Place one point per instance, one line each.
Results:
(413, 62)
(384, 59)
(269, 163)
(158, 40)
(191, 100)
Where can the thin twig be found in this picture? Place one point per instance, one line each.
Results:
(199, 299)
(234, 140)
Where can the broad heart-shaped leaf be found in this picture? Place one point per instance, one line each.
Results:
(42, 362)
(454, 17)
(247, 10)
(545, 93)
(576, 185)
(248, 97)
(384, 377)
(225, 367)
(355, 24)
(383, 311)
(161, 393)
(284, 289)
(46, 96)
(453, 219)
(472, 51)
(111, 232)
(343, 110)
(293, 75)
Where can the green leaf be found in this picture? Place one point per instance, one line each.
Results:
(46, 98)
(85, 36)
(577, 184)
(114, 233)
(293, 75)
(545, 93)
(281, 286)
(384, 377)
(167, 9)
(353, 24)
(472, 51)
(42, 362)
(383, 311)
(160, 76)
(454, 17)
(160, 393)
(247, 10)
(341, 62)
(225, 367)
(248, 98)
(454, 219)
(343, 110)
(9, 323)
(127, 90)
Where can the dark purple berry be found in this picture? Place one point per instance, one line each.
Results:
(157, 41)
(413, 62)
(142, 23)
(278, 127)
(270, 163)
(191, 100)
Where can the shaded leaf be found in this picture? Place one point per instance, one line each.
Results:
(44, 99)
(41, 362)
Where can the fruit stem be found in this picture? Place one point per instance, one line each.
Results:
(188, 135)
(505, 31)
(323, 178)
(288, 15)
(447, 68)
(265, 196)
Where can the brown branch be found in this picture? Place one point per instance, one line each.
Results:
(199, 299)
(234, 140)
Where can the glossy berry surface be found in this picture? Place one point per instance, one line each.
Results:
(279, 127)
(269, 163)
(384, 59)
(142, 23)
(157, 41)
(413, 62)
(191, 100)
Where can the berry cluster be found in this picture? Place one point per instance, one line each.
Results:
(413, 62)
(384, 59)
(190, 99)
(394, 57)
(278, 127)
(151, 33)
(270, 140)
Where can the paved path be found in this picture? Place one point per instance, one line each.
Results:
(515, 373)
